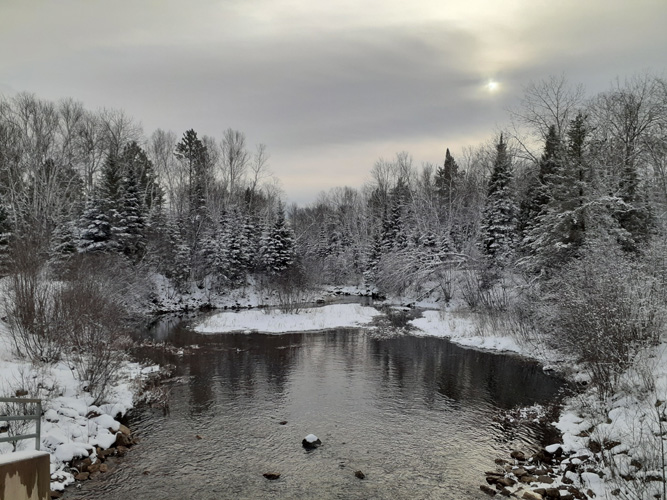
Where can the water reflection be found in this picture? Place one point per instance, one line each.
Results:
(415, 414)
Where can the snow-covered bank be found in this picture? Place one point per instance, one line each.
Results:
(461, 328)
(274, 321)
(71, 426)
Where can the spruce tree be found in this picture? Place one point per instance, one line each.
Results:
(131, 225)
(277, 252)
(96, 229)
(499, 215)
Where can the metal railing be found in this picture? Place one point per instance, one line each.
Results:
(37, 417)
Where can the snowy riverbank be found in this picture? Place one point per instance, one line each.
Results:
(275, 321)
(71, 426)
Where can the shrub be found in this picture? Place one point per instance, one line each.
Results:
(607, 307)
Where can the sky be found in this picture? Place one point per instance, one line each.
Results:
(328, 86)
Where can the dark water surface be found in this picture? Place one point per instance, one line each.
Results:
(414, 414)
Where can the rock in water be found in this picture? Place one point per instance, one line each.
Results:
(311, 441)
(359, 474)
(272, 476)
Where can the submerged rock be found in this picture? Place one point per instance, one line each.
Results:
(311, 441)
(359, 475)
(271, 476)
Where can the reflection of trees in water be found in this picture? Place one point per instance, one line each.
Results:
(245, 367)
(429, 368)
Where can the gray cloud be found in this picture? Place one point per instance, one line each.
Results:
(310, 79)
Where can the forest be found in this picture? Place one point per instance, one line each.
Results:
(554, 229)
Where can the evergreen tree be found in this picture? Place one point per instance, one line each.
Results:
(63, 244)
(96, 229)
(277, 253)
(133, 157)
(445, 179)
(192, 153)
(130, 229)
(559, 229)
(499, 216)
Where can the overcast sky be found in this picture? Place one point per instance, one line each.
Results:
(328, 86)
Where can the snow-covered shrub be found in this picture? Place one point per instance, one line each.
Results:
(606, 308)
(29, 309)
(92, 312)
(292, 288)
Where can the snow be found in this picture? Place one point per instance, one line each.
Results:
(311, 438)
(8, 458)
(461, 329)
(318, 318)
(71, 426)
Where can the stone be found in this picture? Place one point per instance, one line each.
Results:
(311, 441)
(506, 481)
(93, 468)
(520, 472)
(124, 430)
(82, 464)
(82, 476)
(518, 455)
(93, 475)
(488, 490)
(545, 479)
(283, 422)
(359, 475)
(55, 494)
(121, 451)
(531, 495)
(505, 492)
(271, 476)
(123, 440)
(528, 479)
(104, 468)
(552, 493)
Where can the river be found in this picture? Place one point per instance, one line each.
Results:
(414, 414)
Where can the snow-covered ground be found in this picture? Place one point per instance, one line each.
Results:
(461, 328)
(71, 426)
(274, 321)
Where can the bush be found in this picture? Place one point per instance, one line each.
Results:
(607, 308)
(29, 308)
(79, 320)
(291, 288)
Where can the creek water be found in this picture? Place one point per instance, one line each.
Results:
(415, 415)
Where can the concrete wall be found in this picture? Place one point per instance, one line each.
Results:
(24, 475)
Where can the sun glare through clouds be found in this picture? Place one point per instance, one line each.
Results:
(492, 86)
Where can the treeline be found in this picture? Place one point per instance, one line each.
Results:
(568, 173)
(74, 182)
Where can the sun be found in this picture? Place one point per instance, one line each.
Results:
(492, 86)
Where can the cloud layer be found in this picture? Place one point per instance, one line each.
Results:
(327, 86)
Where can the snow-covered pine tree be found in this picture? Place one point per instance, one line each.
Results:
(277, 251)
(148, 189)
(445, 180)
(63, 245)
(558, 231)
(131, 219)
(95, 234)
(498, 227)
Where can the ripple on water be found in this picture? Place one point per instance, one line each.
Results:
(414, 414)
